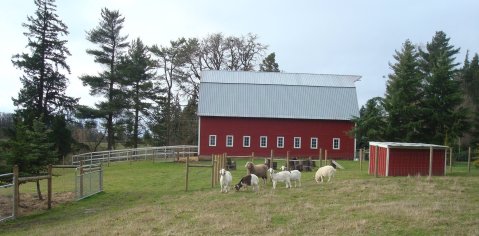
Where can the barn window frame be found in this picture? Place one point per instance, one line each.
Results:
(248, 144)
(229, 140)
(280, 144)
(297, 142)
(212, 140)
(336, 143)
(314, 143)
(263, 141)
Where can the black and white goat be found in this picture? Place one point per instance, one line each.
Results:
(282, 176)
(326, 171)
(225, 180)
(248, 180)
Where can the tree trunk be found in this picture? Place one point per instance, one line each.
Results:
(135, 129)
(110, 137)
(39, 192)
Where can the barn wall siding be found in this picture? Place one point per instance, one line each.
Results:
(324, 130)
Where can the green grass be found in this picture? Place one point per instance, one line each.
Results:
(145, 198)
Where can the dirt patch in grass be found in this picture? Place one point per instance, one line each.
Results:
(30, 203)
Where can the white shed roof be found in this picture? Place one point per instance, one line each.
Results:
(277, 95)
(406, 145)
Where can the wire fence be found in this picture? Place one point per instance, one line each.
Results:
(156, 154)
(6, 196)
(88, 181)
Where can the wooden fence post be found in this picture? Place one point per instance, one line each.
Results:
(49, 180)
(16, 191)
(325, 157)
(361, 159)
(101, 177)
(225, 156)
(186, 181)
(287, 160)
(450, 160)
(431, 153)
(469, 161)
(320, 157)
(81, 179)
(212, 171)
(271, 160)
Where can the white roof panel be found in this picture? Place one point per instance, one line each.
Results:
(406, 145)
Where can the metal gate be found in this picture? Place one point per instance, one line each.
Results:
(6, 197)
(89, 180)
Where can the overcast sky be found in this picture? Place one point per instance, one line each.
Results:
(321, 37)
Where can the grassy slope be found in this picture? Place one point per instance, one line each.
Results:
(143, 198)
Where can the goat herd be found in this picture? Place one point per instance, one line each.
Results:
(284, 176)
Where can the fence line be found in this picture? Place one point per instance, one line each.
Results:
(217, 163)
(164, 153)
(7, 215)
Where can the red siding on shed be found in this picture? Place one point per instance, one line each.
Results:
(381, 161)
(324, 130)
(406, 161)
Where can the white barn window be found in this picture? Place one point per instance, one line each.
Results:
(280, 142)
(229, 140)
(263, 141)
(212, 140)
(297, 142)
(246, 141)
(336, 143)
(314, 143)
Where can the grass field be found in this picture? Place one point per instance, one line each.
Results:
(144, 198)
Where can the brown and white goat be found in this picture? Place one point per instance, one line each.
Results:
(260, 170)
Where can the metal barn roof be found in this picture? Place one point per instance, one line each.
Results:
(406, 145)
(277, 95)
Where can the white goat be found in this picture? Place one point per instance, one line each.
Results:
(323, 172)
(295, 176)
(283, 176)
(225, 180)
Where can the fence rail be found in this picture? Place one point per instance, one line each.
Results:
(165, 153)
(6, 199)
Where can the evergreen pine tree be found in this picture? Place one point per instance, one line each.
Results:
(403, 94)
(42, 100)
(44, 84)
(470, 86)
(108, 83)
(371, 123)
(136, 69)
(269, 64)
(30, 148)
(444, 118)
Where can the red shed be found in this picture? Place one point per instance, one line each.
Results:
(244, 112)
(403, 159)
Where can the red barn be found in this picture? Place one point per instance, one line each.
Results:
(244, 112)
(403, 159)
